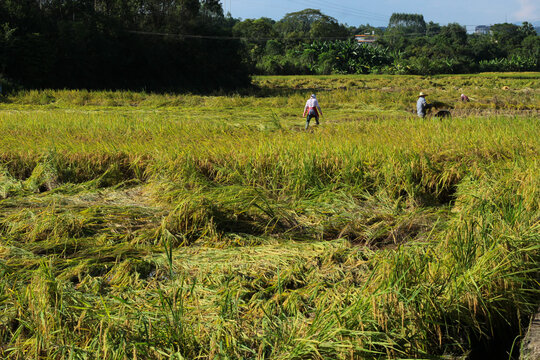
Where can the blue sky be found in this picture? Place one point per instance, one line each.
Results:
(377, 12)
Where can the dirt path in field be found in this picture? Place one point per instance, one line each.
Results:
(530, 348)
(485, 112)
(492, 112)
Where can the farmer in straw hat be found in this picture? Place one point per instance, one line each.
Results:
(422, 105)
(312, 109)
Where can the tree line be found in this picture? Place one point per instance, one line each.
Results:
(309, 42)
(113, 44)
(161, 45)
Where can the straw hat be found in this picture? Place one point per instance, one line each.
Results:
(421, 94)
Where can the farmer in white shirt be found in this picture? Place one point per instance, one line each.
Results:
(312, 109)
(422, 105)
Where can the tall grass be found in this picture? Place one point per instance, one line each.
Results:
(179, 226)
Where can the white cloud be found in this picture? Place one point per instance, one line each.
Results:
(528, 10)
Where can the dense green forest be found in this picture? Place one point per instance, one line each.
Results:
(309, 42)
(192, 45)
(137, 44)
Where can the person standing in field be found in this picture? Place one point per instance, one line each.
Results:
(312, 110)
(422, 105)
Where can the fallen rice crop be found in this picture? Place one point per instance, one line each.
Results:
(168, 226)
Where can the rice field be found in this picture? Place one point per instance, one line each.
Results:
(184, 226)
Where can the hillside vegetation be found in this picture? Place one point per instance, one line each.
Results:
(143, 226)
(193, 45)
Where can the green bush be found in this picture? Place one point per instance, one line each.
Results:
(514, 63)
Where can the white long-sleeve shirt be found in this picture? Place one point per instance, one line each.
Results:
(421, 106)
(312, 103)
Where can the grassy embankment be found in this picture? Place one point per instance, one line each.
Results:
(141, 226)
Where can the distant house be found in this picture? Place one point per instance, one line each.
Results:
(366, 39)
(482, 30)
